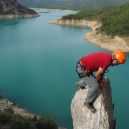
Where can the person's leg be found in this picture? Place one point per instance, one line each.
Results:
(92, 92)
(92, 88)
(81, 84)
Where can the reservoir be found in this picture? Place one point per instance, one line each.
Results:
(37, 67)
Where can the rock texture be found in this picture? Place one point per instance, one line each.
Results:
(12, 9)
(103, 118)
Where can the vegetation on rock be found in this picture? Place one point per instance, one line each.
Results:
(9, 120)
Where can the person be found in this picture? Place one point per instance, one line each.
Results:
(97, 62)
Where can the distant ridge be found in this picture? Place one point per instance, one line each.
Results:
(71, 4)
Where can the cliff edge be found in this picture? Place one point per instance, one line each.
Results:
(13, 9)
(103, 118)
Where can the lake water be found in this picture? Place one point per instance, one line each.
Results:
(37, 67)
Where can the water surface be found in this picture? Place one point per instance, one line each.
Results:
(37, 67)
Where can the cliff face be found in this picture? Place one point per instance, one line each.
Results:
(103, 118)
(12, 9)
(86, 23)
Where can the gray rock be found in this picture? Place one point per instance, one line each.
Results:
(83, 118)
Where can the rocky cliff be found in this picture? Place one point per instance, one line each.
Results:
(103, 118)
(12, 9)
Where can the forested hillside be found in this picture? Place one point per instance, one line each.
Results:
(115, 20)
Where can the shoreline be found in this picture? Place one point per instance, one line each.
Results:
(101, 40)
(5, 104)
(12, 16)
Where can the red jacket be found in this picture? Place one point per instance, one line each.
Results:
(94, 61)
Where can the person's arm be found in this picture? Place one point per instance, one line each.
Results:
(99, 74)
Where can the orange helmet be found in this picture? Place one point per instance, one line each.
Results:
(120, 56)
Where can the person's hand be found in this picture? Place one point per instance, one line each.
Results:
(99, 74)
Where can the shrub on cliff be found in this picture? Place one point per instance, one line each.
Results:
(45, 123)
(9, 120)
(5, 117)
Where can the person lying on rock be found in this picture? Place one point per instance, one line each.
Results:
(96, 62)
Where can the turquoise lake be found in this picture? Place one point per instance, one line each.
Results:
(37, 67)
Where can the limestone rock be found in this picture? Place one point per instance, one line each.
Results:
(83, 118)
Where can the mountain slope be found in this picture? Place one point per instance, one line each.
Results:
(11, 9)
(71, 4)
(114, 19)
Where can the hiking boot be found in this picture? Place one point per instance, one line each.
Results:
(90, 106)
(79, 87)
